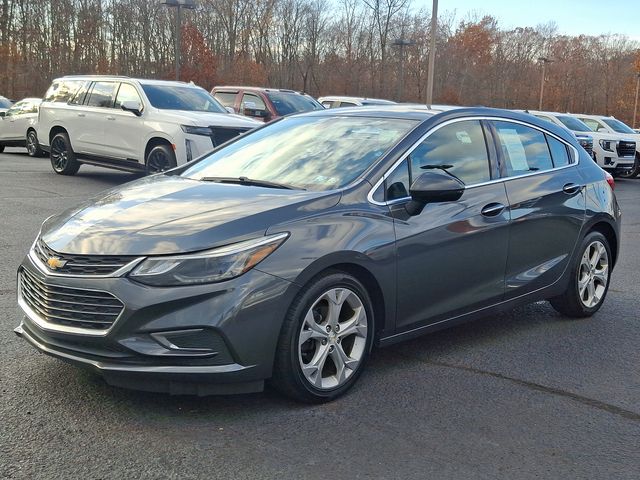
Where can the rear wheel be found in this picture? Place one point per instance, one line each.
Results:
(325, 339)
(33, 147)
(63, 160)
(589, 280)
(160, 158)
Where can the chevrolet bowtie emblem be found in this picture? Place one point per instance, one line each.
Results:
(56, 263)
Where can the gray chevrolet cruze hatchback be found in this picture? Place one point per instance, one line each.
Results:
(288, 253)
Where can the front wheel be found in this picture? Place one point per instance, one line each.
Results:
(325, 339)
(63, 160)
(633, 172)
(33, 147)
(160, 158)
(589, 282)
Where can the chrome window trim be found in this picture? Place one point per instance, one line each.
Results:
(53, 327)
(575, 162)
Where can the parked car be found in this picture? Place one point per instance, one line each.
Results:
(585, 141)
(611, 125)
(18, 126)
(5, 104)
(289, 252)
(614, 152)
(264, 104)
(342, 101)
(131, 124)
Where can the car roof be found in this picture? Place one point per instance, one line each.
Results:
(256, 89)
(337, 98)
(142, 81)
(30, 99)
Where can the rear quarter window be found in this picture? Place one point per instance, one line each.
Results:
(61, 91)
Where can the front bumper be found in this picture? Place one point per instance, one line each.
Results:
(234, 326)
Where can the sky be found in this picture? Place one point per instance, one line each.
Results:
(573, 17)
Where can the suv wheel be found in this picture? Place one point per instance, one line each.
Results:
(633, 172)
(33, 147)
(63, 160)
(1, 148)
(160, 158)
(325, 339)
(589, 282)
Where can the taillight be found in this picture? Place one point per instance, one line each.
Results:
(610, 180)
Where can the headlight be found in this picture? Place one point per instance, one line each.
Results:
(196, 130)
(210, 266)
(606, 145)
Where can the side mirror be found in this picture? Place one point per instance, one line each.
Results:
(132, 106)
(431, 187)
(230, 109)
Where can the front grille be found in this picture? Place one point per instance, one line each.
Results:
(80, 264)
(219, 135)
(72, 307)
(626, 149)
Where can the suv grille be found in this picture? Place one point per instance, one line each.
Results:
(626, 149)
(80, 264)
(74, 307)
(219, 135)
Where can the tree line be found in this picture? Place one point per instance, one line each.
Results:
(341, 47)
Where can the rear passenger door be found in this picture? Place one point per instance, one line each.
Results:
(546, 198)
(88, 132)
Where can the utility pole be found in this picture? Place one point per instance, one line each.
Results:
(635, 105)
(544, 62)
(179, 5)
(432, 51)
(401, 43)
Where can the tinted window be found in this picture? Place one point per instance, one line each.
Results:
(573, 123)
(559, 152)
(252, 102)
(398, 182)
(315, 153)
(458, 148)
(347, 104)
(228, 99)
(81, 93)
(127, 93)
(617, 125)
(102, 94)
(524, 149)
(178, 97)
(62, 90)
(592, 124)
(286, 103)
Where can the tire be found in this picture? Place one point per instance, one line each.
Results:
(63, 159)
(1, 148)
(589, 280)
(160, 158)
(33, 147)
(306, 344)
(633, 173)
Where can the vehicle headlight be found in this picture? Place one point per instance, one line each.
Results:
(196, 130)
(606, 145)
(209, 266)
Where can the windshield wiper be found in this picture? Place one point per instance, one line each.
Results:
(250, 182)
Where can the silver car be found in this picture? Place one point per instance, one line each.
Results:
(17, 126)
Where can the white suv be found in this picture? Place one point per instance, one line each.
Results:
(614, 152)
(131, 124)
(601, 124)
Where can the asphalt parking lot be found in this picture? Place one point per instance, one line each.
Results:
(528, 394)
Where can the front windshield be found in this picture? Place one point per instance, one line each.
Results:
(176, 97)
(618, 126)
(573, 123)
(309, 152)
(286, 103)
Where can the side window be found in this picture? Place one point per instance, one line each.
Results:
(459, 148)
(252, 102)
(61, 90)
(102, 94)
(127, 93)
(227, 99)
(347, 104)
(327, 104)
(592, 124)
(81, 93)
(16, 109)
(524, 149)
(559, 152)
(397, 184)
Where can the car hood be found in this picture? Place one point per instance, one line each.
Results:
(205, 119)
(170, 214)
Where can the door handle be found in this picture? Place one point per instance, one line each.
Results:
(81, 115)
(571, 188)
(492, 209)
(111, 118)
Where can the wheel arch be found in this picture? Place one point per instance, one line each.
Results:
(154, 141)
(55, 131)
(606, 229)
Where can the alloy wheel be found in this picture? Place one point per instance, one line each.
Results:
(59, 153)
(593, 274)
(157, 162)
(32, 143)
(333, 338)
